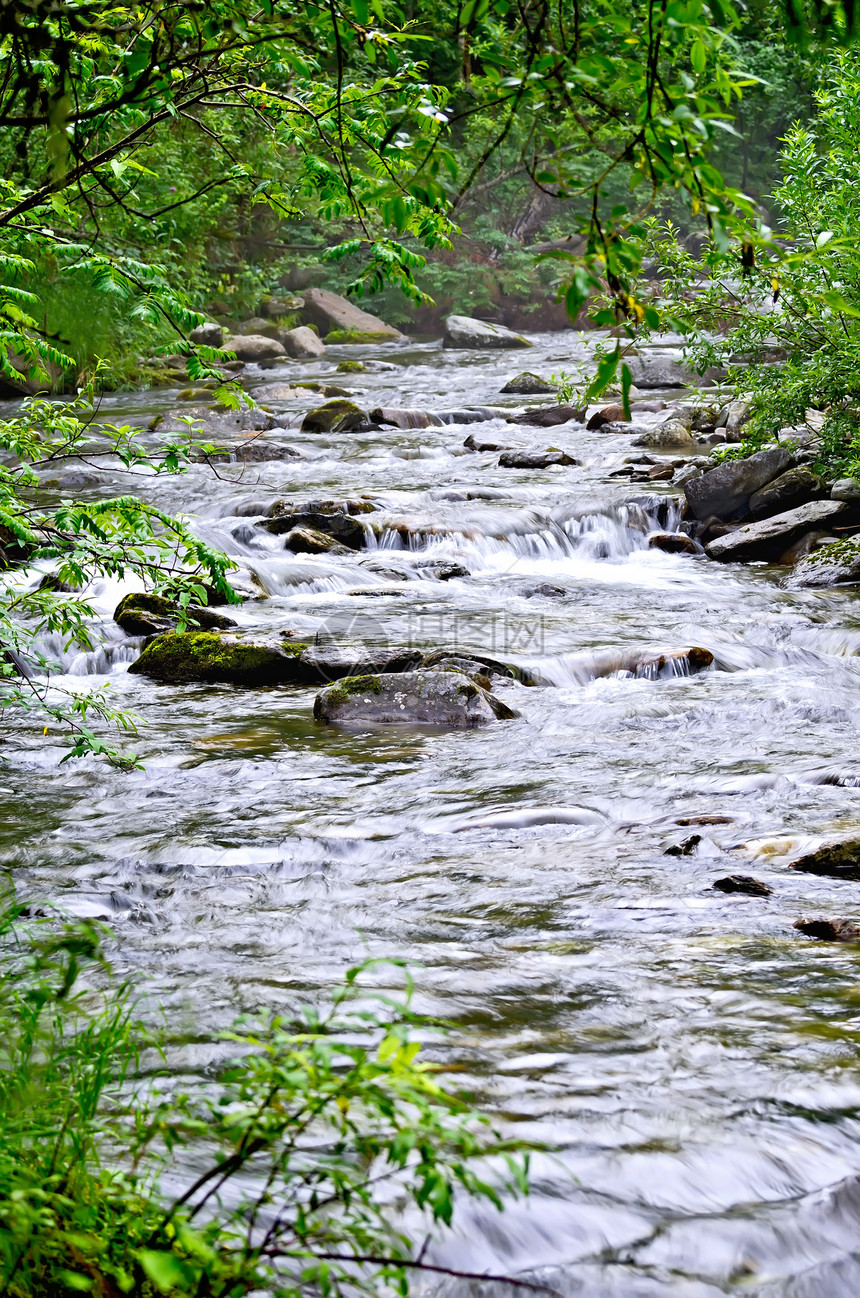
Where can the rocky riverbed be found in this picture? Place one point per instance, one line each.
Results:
(650, 717)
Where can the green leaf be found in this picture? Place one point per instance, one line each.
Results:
(166, 1271)
(699, 56)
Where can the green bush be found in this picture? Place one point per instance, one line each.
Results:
(313, 1135)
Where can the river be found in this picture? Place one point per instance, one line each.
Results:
(690, 1055)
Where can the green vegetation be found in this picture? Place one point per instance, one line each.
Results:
(315, 1132)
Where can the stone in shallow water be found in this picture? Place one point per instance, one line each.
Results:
(548, 416)
(829, 930)
(724, 492)
(832, 565)
(534, 459)
(439, 698)
(840, 860)
(673, 542)
(528, 384)
(142, 613)
(742, 883)
(338, 416)
(475, 335)
(340, 526)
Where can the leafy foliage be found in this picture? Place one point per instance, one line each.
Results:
(313, 1138)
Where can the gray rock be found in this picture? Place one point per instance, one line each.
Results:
(441, 698)
(845, 489)
(770, 537)
(527, 384)
(249, 450)
(687, 474)
(725, 491)
(742, 883)
(208, 334)
(338, 416)
(534, 459)
(732, 417)
(254, 347)
(671, 434)
(404, 418)
(548, 416)
(301, 342)
(794, 487)
(476, 335)
(275, 307)
(665, 368)
(833, 565)
(142, 613)
(835, 860)
(332, 313)
(257, 325)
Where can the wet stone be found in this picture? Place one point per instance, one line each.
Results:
(142, 613)
(441, 698)
(744, 883)
(534, 459)
(341, 527)
(839, 860)
(673, 543)
(829, 930)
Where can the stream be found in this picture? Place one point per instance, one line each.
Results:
(689, 1055)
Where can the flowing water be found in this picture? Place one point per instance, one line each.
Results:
(691, 1057)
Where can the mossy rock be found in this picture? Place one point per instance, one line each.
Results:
(352, 367)
(355, 336)
(307, 540)
(338, 416)
(439, 698)
(142, 613)
(207, 656)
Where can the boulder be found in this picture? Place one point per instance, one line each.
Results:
(253, 661)
(663, 368)
(340, 527)
(725, 491)
(845, 489)
(347, 505)
(403, 418)
(769, 538)
(831, 565)
(275, 307)
(476, 662)
(836, 860)
(301, 342)
(250, 450)
(742, 883)
(672, 543)
(476, 335)
(671, 434)
(257, 325)
(351, 367)
(608, 415)
(338, 416)
(254, 347)
(732, 416)
(441, 698)
(548, 416)
(332, 313)
(210, 424)
(208, 334)
(534, 459)
(527, 384)
(794, 487)
(306, 540)
(142, 613)
(829, 930)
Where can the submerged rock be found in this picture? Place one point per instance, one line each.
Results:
(252, 661)
(527, 384)
(829, 930)
(143, 613)
(475, 335)
(742, 883)
(769, 538)
(338, 416)
(839, 860)
(472, 445)
(725, 491)
(548, 416)
(441, 698)
(534, 459)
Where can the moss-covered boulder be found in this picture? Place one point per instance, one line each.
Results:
(352, 367)
(355, 336)
(438, 698)
(338, 416)
(528, 384)
(258, 660)
(839, 860)
(142, 613)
